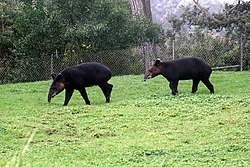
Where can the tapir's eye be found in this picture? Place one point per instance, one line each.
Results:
(152, 70)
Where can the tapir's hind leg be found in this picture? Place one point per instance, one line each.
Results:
(208, 85)
(84, 95)
(106, 89)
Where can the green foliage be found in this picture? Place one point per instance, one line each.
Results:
(5, 30)
(233, 23)
(144, 125)
(25, 70)
(121, 62)
(37, 32)
(33, 30)
(217, 52)
(107, 26)
(41, 27)
(234, 20)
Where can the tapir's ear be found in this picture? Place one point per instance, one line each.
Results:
(158, 61)
(53, 76)
(59, 77)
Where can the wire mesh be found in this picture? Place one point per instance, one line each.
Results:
(129, 61)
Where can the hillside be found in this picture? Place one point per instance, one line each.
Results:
(161, 9)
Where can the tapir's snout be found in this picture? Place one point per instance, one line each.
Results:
(53, 95)
(147, 76)
(50, 96)
(55, 89)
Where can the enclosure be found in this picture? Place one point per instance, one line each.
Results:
(143, 125)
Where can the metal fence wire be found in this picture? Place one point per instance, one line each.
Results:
(130, 61)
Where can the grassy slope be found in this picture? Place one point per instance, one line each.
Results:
(142, 126)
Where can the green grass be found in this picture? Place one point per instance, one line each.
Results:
(144, 125)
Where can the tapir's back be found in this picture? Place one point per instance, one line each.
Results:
(187, 68)
(89, 74)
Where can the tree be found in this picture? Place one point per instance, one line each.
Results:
(95, 25)
(77, 25)
(233, 22)
(233, 19)
(5, 30)
(32, 30)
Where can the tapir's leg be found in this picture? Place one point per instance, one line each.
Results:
(173, 86)
(84, 95)
(195, 85)
(106, 89)
(109, 90)
(208, 85)
(68, 95)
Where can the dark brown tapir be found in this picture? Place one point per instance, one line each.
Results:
(182, 69)
(78, 78)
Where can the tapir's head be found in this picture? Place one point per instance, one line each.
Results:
(153, 71)
(56, 87)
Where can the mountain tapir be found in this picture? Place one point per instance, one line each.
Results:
(78, 78)
(182, 69)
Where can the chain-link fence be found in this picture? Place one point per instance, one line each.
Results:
(135, 60)
(220, 54)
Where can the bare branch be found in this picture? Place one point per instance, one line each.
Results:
(206, 12)
(233, 7)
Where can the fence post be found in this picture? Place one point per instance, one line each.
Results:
(51, 64)
(173, 45)
(241, 53)
(145, 52)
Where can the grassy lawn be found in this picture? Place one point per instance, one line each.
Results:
(144, 125)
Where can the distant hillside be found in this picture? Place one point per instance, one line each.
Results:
(161, 9)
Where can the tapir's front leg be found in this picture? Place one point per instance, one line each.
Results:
(84, 95)
(68, 95)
